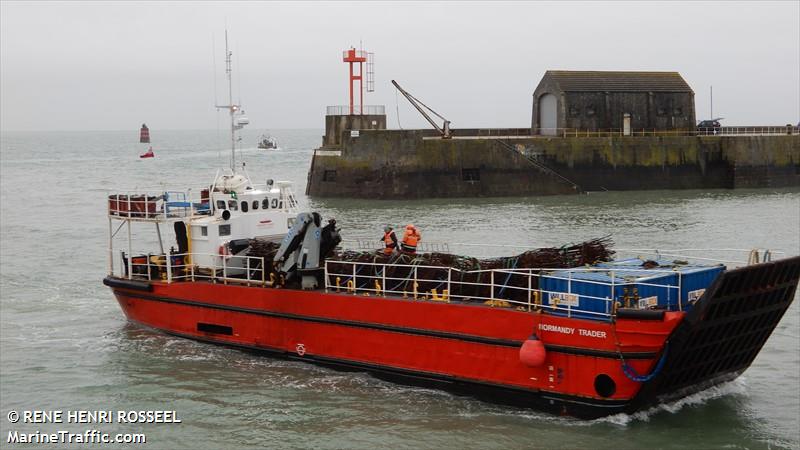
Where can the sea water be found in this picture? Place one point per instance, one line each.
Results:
(65, 345)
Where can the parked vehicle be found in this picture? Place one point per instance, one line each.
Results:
(709, 127)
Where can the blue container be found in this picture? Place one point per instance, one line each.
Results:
(590, 293)
(693, 279)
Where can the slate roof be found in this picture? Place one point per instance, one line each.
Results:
(596, 81)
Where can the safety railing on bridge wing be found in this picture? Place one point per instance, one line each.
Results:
(226, 269)
(158, 205)
(523, 289)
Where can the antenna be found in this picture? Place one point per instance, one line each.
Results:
(233, 109)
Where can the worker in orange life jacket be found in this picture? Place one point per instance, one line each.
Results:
(410, 239)
(389, 240)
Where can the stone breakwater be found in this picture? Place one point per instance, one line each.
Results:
(413, 164)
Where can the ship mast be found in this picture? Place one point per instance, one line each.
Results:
(232, 109)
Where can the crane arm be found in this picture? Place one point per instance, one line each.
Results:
(444, 130)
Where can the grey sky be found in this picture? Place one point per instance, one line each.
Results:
(114, 65)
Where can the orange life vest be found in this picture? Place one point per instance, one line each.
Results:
(410, 240)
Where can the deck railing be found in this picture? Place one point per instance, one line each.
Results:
(179, 267)
(372, 245)
(520, 288)
(157, 205)
(165, 205)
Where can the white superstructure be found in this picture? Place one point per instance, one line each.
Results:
(213, 225)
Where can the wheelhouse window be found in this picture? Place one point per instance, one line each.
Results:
(225, 230)
(255, 204)
(232, 205)
(265, 203)
(244, 207)
(220, 204)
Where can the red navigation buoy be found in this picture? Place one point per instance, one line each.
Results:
(144, 134)
(532, 352)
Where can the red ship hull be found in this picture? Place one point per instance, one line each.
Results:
(463, 347)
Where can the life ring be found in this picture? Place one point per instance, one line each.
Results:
(224, 252)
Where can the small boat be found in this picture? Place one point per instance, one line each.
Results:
(267, 142)
(148, 154)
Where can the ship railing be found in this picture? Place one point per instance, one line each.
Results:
(737, 257)
(161, 205)
(517, 288)
(286, 198)
(372, 245)
(177, 267)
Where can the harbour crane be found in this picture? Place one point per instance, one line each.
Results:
(444, 130)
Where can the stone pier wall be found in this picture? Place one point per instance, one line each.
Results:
(413, 164)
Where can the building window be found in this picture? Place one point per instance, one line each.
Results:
(678, 112)
(232, 205)
(574, 111)
(471, 175)
(255, 204)
(244, 206)
(329, 175)
(661, 111)
(590, 111)
(225, 230)
(220, 204)
(203, 231)
(265, 203)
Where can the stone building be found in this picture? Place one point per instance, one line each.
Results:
(601, 101)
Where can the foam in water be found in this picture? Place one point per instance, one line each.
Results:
(734, 387)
